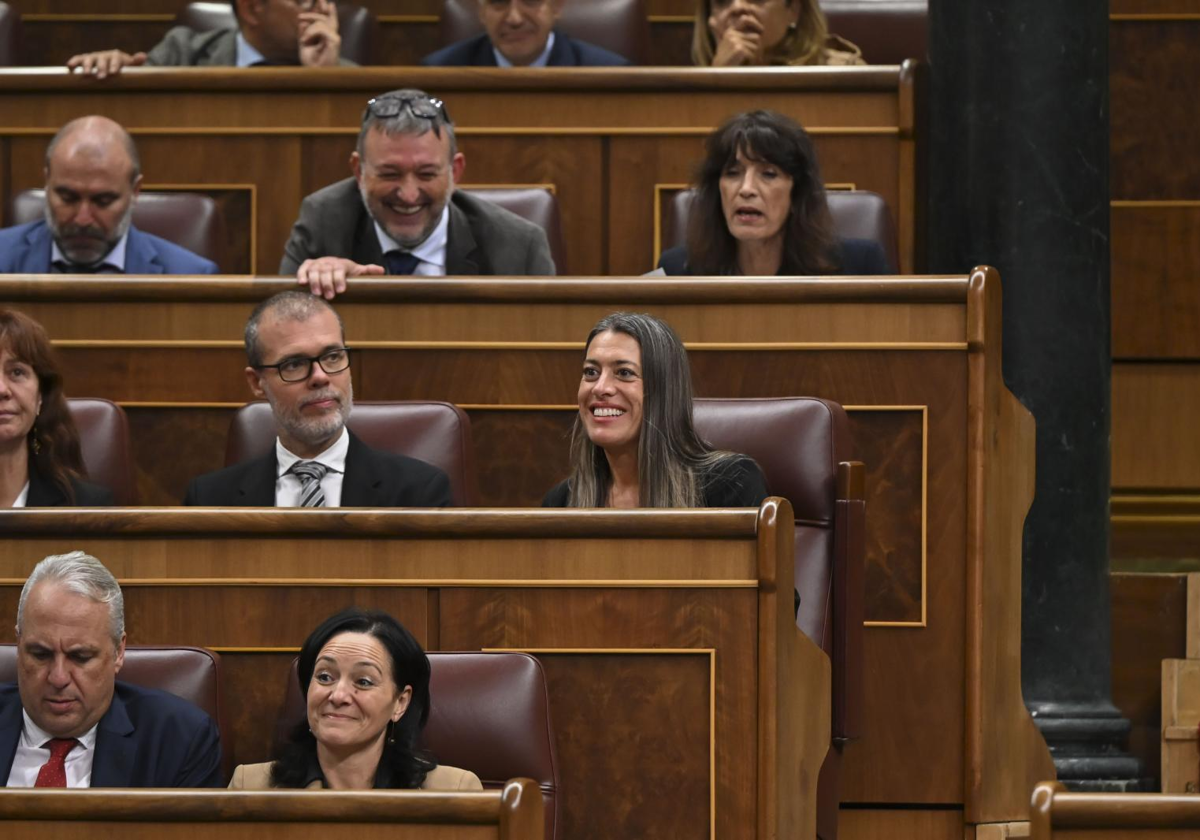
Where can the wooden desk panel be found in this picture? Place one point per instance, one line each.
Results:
(514, 813)
(603, 138)
(1057, 814)
(949, 452)
(669, 630)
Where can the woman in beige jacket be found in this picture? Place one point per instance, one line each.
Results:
(366, 684)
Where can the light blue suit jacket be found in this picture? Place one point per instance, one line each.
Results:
(25, 249)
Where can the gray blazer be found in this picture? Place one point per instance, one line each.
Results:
(184, 47)
(483, 239)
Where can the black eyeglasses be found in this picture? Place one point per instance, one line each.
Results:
(300, 368)
(392, 104)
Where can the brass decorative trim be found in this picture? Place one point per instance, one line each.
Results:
(151, 404)
(54, 17)
(846, 186)
(550, 188)
(670, 18)
(251, 188)
(407, 18)
(253, 649)
(419, 583)
(701, 347)
(1151, 203)
(712, 702)
(295, 132)
(1154, 16)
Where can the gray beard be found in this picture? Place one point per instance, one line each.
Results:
(121, 229)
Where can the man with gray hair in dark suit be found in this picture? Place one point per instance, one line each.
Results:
(400, 213)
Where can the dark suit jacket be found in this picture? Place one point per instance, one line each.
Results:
(858, 257)
(372, 479)
(147, 738)
(482, 238)
(184, 47)
(566, 52)
(25, 249)
(44, 493)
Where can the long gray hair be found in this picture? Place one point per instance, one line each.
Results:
(672, 459)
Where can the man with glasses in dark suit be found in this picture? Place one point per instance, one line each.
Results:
(298, 362)
(400, 213)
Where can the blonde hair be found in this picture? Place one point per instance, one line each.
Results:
(805, 44)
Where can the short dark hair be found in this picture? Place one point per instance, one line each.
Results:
(809, 244)
(290, 305)
(402, 764)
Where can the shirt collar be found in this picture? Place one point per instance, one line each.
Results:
(35, 736)
(247, 56)
(334, 457)
(540, 61)
(432, 250)
(114, 258)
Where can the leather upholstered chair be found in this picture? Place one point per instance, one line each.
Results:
(803, 446)
(188, 672)
(857, 214)
(489, 714)
(435, 432)
(190, 220)
(358, 27)
(10, 36)
(533, 204)
(617, 25)
(104, 439)
(887, 31)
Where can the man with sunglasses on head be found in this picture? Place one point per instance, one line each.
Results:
(268, 33)
(298, 362)
(521, 33)
(400, 213)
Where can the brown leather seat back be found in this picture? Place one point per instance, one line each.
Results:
(10, 36)
(104, 439)
(489, 714)
(536, 205)
(617, 25)
(190, 220)
(188, 672)
(857, 214)
(887, 31)
(798, 442)
(435, 432)
(358, 27)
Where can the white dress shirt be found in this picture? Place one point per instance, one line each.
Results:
(287, 485)
(22, 497)
(247, 56)
(431, 252)
(540, 61)
(115, 258)
(31, 756)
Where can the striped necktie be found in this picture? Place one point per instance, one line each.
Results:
(310, 474)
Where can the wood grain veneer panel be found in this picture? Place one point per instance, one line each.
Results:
(1151, 7)
(1154, 134)
(568, 619)
(1149, 624)
(1156, 281)
(881, 824)
(1154, 441)
(171, 446)
(52, 42)
(528, 452)
(231, 830)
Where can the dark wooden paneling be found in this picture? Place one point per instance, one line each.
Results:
(1154, 440)
(1149, 624)
(1155, 133)
(171, 446)
(528, 453)
(638, 716)
(52, 42)
(1156, 282)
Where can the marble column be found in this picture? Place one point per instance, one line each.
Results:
(1018, 179)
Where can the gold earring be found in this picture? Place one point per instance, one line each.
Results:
(35, 444)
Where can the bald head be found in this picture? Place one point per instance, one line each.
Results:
(92, 180)
(98, 142)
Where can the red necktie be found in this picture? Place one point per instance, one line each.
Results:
(54, 771)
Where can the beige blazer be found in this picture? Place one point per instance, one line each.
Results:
(258, 777)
